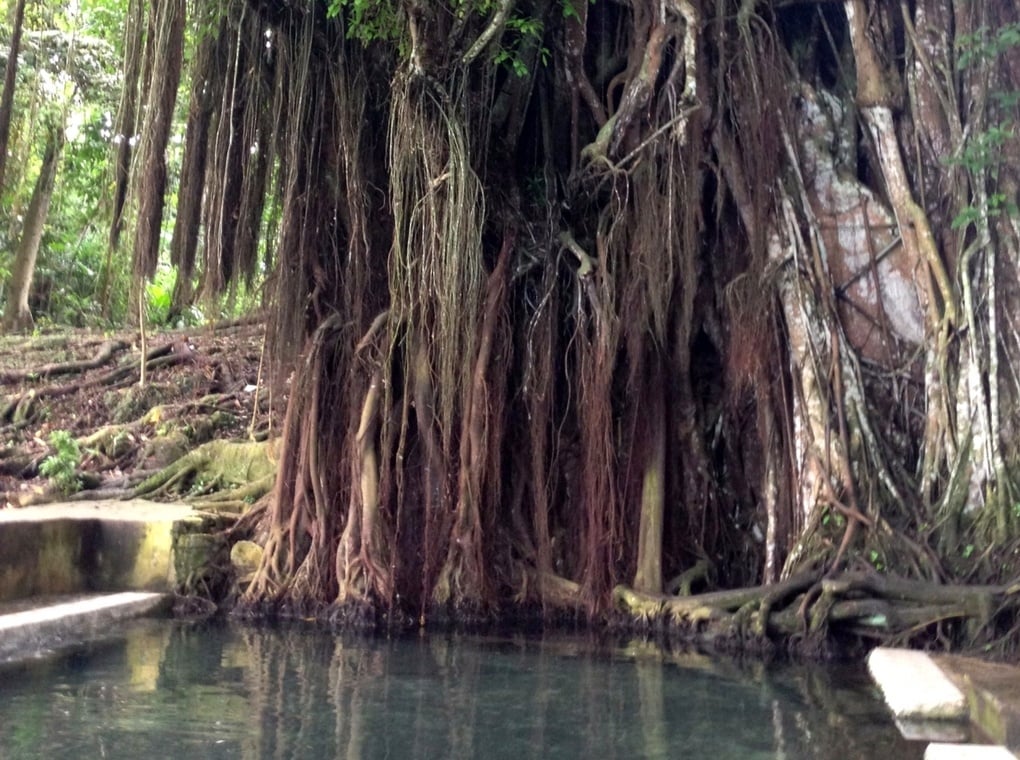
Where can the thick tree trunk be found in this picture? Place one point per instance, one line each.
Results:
(17, 314)
(677, 299)
(648, 577)
(206, 78)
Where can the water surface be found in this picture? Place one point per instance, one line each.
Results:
(167, 689)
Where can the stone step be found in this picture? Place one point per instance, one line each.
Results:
(992, 690)
(26, 630)
(967, 752)
(934, 698)
(914, 687)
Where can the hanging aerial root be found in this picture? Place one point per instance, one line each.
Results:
(361, 560)
(463, 578)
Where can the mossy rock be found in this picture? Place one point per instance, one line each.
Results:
(113, 441)
(245, 557)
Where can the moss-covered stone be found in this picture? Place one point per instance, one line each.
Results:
(245, 557)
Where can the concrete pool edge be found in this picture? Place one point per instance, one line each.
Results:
(92, 546)
(946, 691)
(27, 632)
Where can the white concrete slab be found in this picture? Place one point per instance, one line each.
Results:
(914, 687)
(130, 510)
(30, 630)
(967, 752)
(96, 545)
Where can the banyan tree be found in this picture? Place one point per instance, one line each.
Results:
(579, 305)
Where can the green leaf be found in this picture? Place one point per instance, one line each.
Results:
(968, 216)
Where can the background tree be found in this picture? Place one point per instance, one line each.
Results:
(66, 84)
(10, 78)
(17, 313)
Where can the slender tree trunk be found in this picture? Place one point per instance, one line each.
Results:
(134, 36)
(168, 47)
(7, 99)
(17, 315)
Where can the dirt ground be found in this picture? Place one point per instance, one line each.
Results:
(200, 385)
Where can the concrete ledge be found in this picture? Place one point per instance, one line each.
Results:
(967, 752)
(940, 731)
(914, 687)
(89, 546)
(992, 690)
(31, 630)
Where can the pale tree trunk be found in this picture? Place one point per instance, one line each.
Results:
(17, 315)
(648, 576)
(7, 100)
(975, 404)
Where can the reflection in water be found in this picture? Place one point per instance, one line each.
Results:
(216, 691)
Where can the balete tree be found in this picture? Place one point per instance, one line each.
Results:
(583, 304)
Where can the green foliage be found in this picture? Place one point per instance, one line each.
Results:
(380, 21)
(875, 557)
(159, 301)
(159, 295)
(61, 467)
(73, 260)
(833, 518)
(986, 44)
(368, 20)
(569, 10)
(70, 77)
(981, 154)
(997, 204)
(521, 32)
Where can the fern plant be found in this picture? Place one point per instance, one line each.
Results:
(61, 467)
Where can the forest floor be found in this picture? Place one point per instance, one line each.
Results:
(77, 422)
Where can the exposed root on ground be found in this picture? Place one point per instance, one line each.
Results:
(86, 387)
(237, 471)
(864, 604)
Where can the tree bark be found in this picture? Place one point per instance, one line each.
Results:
(648, 578)
(10, 76)
(134, 33)
(17, 314)
(168, 51)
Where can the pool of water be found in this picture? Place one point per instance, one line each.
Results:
(162, 689)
